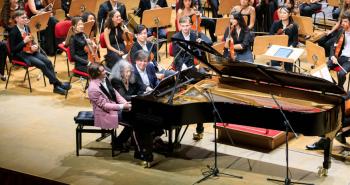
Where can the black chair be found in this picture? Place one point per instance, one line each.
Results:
(86, 118)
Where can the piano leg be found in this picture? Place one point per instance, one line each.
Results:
(322, 171)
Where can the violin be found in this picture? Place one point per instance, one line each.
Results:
(92, 50)
(128, 37)
(231, 43)
(196, 22)
(283, 31)
(28, 47)
(339, 45)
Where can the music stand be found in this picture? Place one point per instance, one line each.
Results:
(214, 171)
(276, 52)
(158, 17)
(38, 23)
(88, 27)
(226, 6)
(221, 25)
(78, 7)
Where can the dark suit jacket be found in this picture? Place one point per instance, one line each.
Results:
(105, 8)
(151, 73)
(134, 89)
(146, 5)
(136, 47)
(185, 57)
(17, 44)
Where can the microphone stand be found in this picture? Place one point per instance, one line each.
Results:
(214, 171)
(287, 125)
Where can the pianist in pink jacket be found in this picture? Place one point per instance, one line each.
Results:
(106, 101)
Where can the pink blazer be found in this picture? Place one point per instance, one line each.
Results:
(105, 110)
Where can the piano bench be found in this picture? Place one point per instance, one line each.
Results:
(86, 118)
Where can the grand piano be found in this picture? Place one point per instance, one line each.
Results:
(242, 94)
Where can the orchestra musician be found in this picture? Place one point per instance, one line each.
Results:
(107, 104)
(78, 44)
(19, 39)
(108, 6)
(340, 52)
(239, 35)
(183, 59)
(193, 9)
(247, 11)
(114, 40)
(145, 74)
(285, 26)
(151, 4)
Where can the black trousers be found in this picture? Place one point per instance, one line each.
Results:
(3, 56)
(41, 62)
(309, 9)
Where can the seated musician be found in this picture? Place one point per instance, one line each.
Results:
(285, 26)
(247, 11)
(151, 48)
(193, 9)
(152, 4)
(184, 59)
(21, 48)
(145, 73)
(340, 52)
(113, 36)
(107, 103)
(307, 9)
(238, 39)
(80, 46)
(108, 6)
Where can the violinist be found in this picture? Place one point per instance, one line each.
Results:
(285, 26)
(340, 52)
(108, 6)
(7, 12)
(193, 9)
(184, 60)
(19, 39)
(113, 34)
(238, 33)
(78, 44)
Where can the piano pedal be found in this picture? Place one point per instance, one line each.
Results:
(197, 136)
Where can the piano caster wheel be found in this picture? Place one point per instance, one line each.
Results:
(146, 164)
(322, 172)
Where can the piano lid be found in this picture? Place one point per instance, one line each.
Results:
(259, 72)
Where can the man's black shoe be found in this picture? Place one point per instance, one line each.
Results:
(319, 145)
(66, 85)
(341, 138)
(59, 90)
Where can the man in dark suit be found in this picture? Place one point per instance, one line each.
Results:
(183, 59)
(145, 73)
(151, 4)
(106, 7)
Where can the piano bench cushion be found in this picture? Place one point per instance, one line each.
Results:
(85, 118)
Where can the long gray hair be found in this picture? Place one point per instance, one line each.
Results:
(118, 71)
